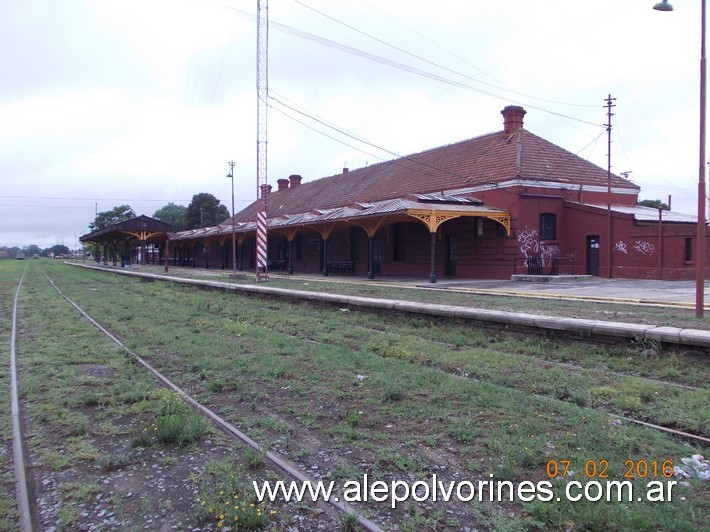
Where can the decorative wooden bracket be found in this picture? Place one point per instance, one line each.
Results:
(370, 226)
(432, 219)
(503, 219)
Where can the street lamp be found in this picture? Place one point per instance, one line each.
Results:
(234, 231)
(700, 260)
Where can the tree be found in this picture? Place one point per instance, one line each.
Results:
(205, 211)
(117, 214)
(655, 203)
(172, 214)
(32, 250)
(56, 250)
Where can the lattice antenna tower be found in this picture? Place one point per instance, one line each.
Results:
(262, 94)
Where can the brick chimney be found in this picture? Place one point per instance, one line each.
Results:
(295, 180)
(512, 118)
(283, 184)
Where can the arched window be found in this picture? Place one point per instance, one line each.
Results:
(548, 226)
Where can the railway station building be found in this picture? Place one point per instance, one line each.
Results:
(503, 203)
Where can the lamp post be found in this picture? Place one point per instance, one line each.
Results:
(700, 260)
(234, 232)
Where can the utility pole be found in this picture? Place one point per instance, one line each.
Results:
(234, 231)
(262, 95)
(96, 218)
(609, 247)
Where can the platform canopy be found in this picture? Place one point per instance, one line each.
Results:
(430, 209)
(142, 228)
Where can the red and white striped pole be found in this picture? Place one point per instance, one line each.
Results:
(262, 272)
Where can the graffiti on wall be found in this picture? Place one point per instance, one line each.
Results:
(640, 246)
(645, 248)
(532, 246)
(621, 247)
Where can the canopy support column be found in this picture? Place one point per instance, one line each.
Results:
(432, 253)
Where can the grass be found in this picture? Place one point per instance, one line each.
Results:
(80, 491)
(114, 461)
(505, 404)
(10, 275)
(669, 316)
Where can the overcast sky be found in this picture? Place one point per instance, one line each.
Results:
(143, 102)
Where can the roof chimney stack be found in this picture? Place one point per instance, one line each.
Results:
(346, 170)
(283, 184)
(512, 118)
(295, 180)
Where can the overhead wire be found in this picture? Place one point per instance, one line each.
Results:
(147, 200)
(395, 64)
(364, 141)
(302, 34)
(465, 77)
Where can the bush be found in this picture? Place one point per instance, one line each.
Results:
(217, 385)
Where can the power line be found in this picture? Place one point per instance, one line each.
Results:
(360, 139)
(465, 77)
(74, 198)
(301, 34)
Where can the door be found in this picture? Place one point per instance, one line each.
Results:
(376, 255)
(451, 256)
(593, 255)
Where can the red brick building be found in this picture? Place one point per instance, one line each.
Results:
(502, 203)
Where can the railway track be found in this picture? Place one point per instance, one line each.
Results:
(25, 506)
(18, 455)
(226, 426)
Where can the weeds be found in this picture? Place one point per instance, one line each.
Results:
(227, 499)
(114, 461)
(176, 422)
(349, 523)
(216, 385)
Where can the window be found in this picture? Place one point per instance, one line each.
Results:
(548, 226)
(398, 242)
(688, 249)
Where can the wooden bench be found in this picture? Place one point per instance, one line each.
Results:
(341, 267)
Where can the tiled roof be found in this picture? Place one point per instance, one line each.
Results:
(494, 157)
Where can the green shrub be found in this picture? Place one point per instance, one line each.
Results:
(176, 422)
(216, 385)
